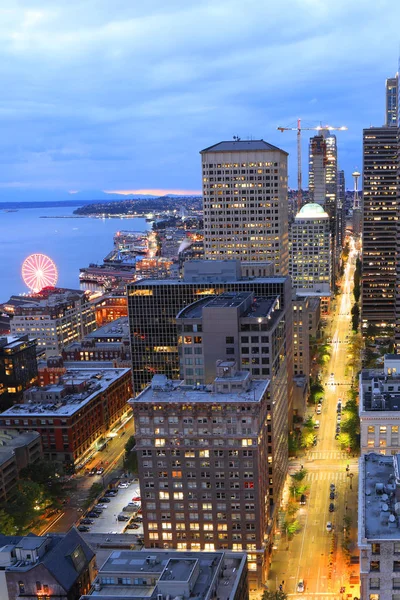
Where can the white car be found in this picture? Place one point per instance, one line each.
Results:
(123, 486)
(319, 409)
(329, 526)
(101, 505)
(300, 586)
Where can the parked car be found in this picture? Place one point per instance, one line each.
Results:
(338, 418)
(86, 522)
(137, 519)
(123, 518)
(100, 471)
(331, 507)
(332, 496)
(136, 499)
(329, 526)
(303, 499)
(101, 505)
(319, 409)
(132, 526)
(332, 487)
(338, 429)
(93, 515)
(301, 586)
(111, 493)
(105, 499)
(123, 485)
(316, 424)
(83, 528)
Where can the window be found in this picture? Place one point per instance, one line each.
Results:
(396, 547)
(21, 587)
(374, 565)
(396, 583)
(376, 548)
(374, 597)
(396, 566)
(38, 586)
(374, 583)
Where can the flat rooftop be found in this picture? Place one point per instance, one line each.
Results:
(378, 511)
(242, 146)
(384, 394)
(178, 392)
(181, 282)
(117, 328)
(54, 400)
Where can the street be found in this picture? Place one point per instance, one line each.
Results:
(315, 554)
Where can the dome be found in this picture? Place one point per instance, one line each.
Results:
(312, 210)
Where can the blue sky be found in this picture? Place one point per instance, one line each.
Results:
(122, 95)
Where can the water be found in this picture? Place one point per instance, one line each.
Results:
(71, 243)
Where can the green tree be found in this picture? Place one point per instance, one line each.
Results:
(130, 460)
(7, 525)
(309, 423)
(42, 471)
(299, 475)
(27, 504)
(95, 491)
(355, 319)
(278, 595)
(307, 439)
(290, 528)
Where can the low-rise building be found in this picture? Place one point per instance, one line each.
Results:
(379, 526)
(34, 567)
(54, 316)
(17, 451)
(74, 416)
(379, 408)
(162, 574)
(110, 307)
(18, 366)
(109, 343)
(205, 460)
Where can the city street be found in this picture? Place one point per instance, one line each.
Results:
(314, 554)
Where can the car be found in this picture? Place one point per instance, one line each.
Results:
(93, 515)
(137, 519)
(136, 480)
(319, 410)
(135, 504)
(329, 526)
(105, 499)
(93, 471)
(315, 440)
(100, 471)
(300, 586)
(132, 526)
(101, 505)
(332, 375)
(123, 486)
(123, 518)
(303, 499)
(86, 522)
(83, 528)
(136, 499)
(332, 496)
(316, 424)
(331, 507)
(338, 428)
(336, 436)
(332, 487)
(111, 493)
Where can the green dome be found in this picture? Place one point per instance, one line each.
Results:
(312, 210)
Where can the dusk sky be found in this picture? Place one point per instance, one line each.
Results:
(122, 94)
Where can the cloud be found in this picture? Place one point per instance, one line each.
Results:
(124, 95)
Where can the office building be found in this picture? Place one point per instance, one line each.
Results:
(303, 307)
(204, 457)
(74, 416)
(245, 202)
(341, 211)
(162, 574)
(378, 526)
(17, 451)
(379, 409)
(154, 304)
(18, 367)
(250, 331)
(54, 316)
(35, 567)
(110, 307)
(392, 96)
(109, 343)
(310, 252)
(380, 222)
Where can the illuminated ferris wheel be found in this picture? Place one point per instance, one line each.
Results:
(38, 272)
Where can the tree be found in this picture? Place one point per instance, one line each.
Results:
(28, 503)
(290, 528)
(130, 460)
(41, 471)
(95, 490)
(278, 595)
(7, 525)
(299, 475)
(307, 439)
(309, 423)
(355, 311)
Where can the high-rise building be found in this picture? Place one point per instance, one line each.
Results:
(154, 304)
(316, 170)
(245, 202)
(341, 210)
(204, 457)
(380, 226)
(18, 367)
(250, 331)
(392, 97)
(54, 316)
(310, 252)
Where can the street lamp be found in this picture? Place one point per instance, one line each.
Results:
(351, 475)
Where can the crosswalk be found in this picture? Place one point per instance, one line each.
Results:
(333, 477)
(317, 596)
(330, 455)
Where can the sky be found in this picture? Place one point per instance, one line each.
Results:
(123, 95)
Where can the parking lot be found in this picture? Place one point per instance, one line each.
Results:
(108, 522)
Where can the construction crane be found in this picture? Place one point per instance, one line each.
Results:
(299, 129)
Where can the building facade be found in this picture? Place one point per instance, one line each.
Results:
(110, 307)
(55, 317)
(379, 227)
(311, 251)
(378, 526)
(392, 96)
(74, 416)
(17, 451)
(154, 304)
(161, 574)
(45, 567)
(341, 210)
(203, 459)
(245, 202)
(18, 366)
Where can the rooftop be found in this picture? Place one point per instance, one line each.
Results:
(379, 500)
(116, 329)
(180, 282)
(177, 392)
(242, 146)
(312, 210)
(10, 440)
(62, 399)
(250, 306)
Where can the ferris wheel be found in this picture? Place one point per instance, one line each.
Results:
(38, 272)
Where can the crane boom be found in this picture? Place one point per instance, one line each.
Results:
(299, 129)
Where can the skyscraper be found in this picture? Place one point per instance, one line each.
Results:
(245, 202)
(392, 96)
(380, 225)
(341, 209)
